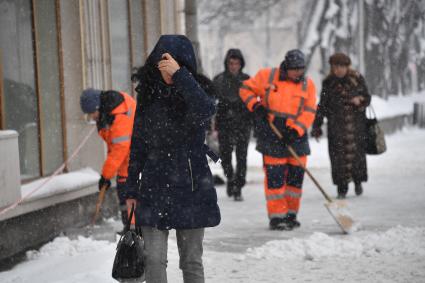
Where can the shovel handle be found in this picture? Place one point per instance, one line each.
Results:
(99, 202)
(295, 155)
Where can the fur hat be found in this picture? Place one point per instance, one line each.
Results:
(340, 59)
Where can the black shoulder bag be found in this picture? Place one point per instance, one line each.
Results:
(129, 261)
(375, 139)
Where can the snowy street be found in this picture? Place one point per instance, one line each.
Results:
(107, 105)
(389, 247)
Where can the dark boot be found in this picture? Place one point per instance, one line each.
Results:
(342, 191)
(218, 180)
(230, 187)
(358, 189)
(237, 194)
(280, 224)
(292, 220)
(237, 189)
(124, 220)
(124, 217)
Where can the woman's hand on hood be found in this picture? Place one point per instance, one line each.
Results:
(168, 66)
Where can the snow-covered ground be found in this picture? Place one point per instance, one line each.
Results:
(390, 246)
(396, 104)
(59, 184)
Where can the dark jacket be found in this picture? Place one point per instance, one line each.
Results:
(109, 100)
(232, 113)
(168, 170)
(346, 126)
(115, 126)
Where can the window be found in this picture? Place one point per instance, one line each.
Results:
(49, 85)
(19, 92)
(120, 45)
(96, 62)
(31, 97)
(138, 54)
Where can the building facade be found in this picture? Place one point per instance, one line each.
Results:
(50, 50)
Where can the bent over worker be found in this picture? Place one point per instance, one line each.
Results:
(113, 112)
(285, 97)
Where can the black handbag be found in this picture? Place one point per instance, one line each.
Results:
(129, 262)
(375, 138)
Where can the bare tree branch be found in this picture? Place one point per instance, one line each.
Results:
(233, 11)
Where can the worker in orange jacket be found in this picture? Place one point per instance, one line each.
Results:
(285, 97)
(113, 112)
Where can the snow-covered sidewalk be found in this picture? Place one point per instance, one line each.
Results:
(390, 247)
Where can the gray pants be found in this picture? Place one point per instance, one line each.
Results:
(189, 243)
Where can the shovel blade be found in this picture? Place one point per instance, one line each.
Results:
(339, 211)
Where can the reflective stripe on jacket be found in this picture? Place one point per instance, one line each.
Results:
(118, 138)
(296, 102)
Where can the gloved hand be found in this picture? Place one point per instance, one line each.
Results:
(260, 112)
(103, 181)
(316, 132)
(290, 135)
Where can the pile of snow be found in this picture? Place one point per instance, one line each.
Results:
(396, 241)
(65, 260)
(396, 105)
(65, 247)
(72, 181)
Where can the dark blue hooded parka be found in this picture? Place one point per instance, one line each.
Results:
(168, 170)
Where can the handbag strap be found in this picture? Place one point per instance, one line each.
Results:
(127, 226)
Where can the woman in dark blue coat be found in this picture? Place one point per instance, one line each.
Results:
(169, 177)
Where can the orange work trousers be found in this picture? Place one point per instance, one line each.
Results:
(283, 185)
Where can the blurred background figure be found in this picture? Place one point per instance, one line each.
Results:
(233, 122)
(343, 101)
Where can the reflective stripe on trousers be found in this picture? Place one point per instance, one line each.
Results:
(283, 185)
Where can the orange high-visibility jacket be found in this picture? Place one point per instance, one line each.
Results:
(282, 98)
(118, 138)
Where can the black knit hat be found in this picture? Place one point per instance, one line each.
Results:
(90, 100)
(294, 59)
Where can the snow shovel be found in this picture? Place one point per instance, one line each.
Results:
(337, 209)
(99, 202)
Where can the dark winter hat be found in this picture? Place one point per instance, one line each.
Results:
(340, 59)
(90, 100)
(294, 59)
(234, 53)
